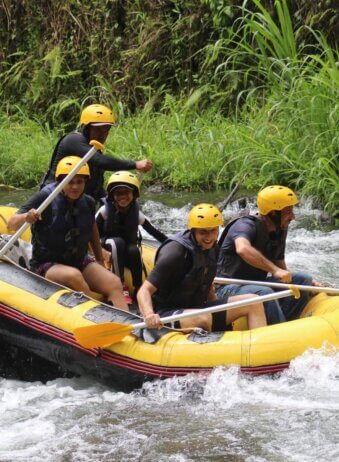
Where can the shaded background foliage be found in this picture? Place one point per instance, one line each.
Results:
(55, 53)
(213, 91)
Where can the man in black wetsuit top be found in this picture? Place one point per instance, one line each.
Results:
(96, 121)
(182, 278)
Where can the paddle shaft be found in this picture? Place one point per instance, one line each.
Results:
(51, 197)
(109, 333)
(276, 285)
(224, 307)
(224, 204)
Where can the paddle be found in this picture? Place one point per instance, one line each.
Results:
(277, 285)
(109, 333)
(224, 204)
(96, 147)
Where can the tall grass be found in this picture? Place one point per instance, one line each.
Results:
(280, 96)
(292, 142)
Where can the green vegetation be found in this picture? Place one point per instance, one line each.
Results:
(214, 92)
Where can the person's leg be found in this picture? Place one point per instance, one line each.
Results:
(292, 307)
(226, 290)
(99, 279)
(68, 276)
(255, 313)
(273, 311)
(204, 321)
(116, 246)
(134, 263)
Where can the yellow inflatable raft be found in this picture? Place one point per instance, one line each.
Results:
(40, 317)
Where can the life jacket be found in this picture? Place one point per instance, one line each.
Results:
(119, 224)
(231, 265)
(65, 230)
(193, 290)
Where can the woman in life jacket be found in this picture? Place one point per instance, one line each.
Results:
(118, 222)
(62, 233)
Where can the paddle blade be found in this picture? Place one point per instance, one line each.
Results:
(100, 335)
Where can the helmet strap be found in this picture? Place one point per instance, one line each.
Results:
(275, 217)
(85, 130)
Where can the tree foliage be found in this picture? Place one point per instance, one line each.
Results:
(58, 54)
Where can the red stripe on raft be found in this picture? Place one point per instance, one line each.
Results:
(122, 361)
(44, 328)
(163, 371)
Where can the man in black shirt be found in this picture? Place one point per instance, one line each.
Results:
(182, 278)
(253, 246)
(96, 121)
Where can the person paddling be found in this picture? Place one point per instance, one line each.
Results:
(253, 247)
(118, 222)
(62, 233)
(96, 121)
(182, 278)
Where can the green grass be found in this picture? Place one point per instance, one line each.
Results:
(282, 126)
(291, 141)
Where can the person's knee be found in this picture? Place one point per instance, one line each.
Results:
(75, 278)
(120, 243)
(262, 290)
(133, 250)
(227, 290)
(204, 322)
(112, 286)
(115, 282)
(254, 289)
(302, 278)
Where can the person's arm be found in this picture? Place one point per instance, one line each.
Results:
(144, 297)
(170, 268)
(77, 144)
(96, 246)
(110, 163)
(18, 219)
(143, 165)
(281, 264)
(107, 162)
(253, 257)
(27, 212)
(157, 234)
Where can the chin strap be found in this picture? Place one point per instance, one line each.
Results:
(275, 217)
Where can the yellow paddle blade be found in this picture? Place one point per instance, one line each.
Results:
(100, 335)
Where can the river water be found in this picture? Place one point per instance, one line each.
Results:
(225, 416)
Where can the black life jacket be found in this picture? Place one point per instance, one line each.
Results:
(230, 265)
(64, 232)
(119, 224)
(195, 286)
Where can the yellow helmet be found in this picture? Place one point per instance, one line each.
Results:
(97, 114)
(66, 164)
(204, 216)
(275, 198)
(124, 178)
